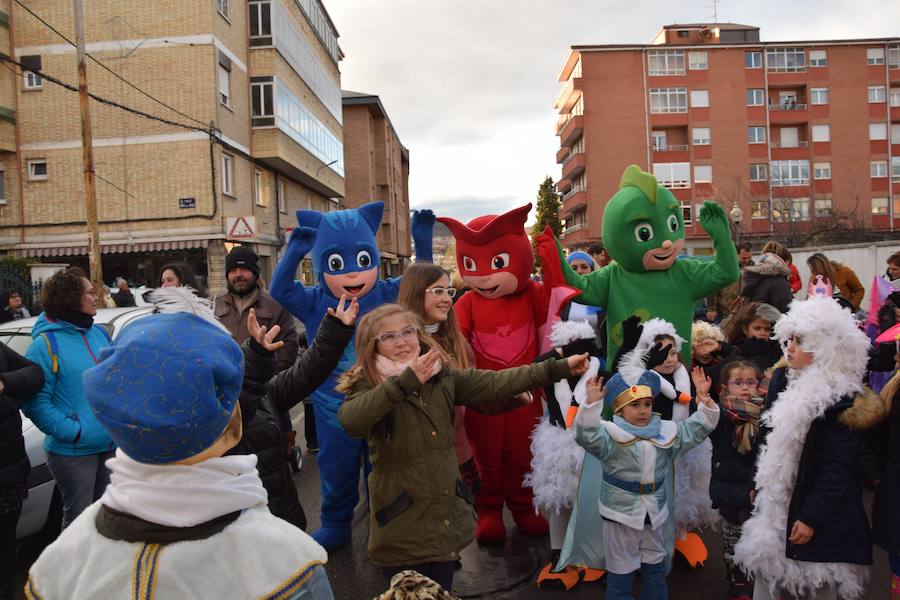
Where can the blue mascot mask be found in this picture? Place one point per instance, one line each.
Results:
(345, 254)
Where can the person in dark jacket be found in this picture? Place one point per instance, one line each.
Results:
(264, 397)
(809, 535)
(767, 281)
(19, 378)
(123, 298)
(750, 333)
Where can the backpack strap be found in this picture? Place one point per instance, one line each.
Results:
(53, 350)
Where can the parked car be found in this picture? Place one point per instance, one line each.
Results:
(42, 510)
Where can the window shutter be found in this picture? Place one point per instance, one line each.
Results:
(224, 61)
(31, 63)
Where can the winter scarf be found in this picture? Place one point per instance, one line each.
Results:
(647, 432)
(744, 415)
(840, 353)
(388, 368)
(78, 319)
(178, 495)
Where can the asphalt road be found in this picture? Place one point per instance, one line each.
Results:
(505, 573)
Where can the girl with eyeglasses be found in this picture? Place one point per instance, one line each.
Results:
(735, 443)
(427, 291)
(400, 396)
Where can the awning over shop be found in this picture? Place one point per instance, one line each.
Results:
(26, 251)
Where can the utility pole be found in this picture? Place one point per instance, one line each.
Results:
(87, 156)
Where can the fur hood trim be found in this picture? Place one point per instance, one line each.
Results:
(867, 411)
(566, 332)
(631, 367)
(769, 264)
(184, 299)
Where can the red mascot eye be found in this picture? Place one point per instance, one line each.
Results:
(468, 264)
(500, 261)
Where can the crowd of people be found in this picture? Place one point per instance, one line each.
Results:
(619, 431)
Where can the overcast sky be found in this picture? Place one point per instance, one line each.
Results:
(470, 85)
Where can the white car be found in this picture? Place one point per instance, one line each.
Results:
(44, 500)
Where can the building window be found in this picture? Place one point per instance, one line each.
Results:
(262, 103)
(790, 172)
(223, 7)
(659, 140)
(33, 81)
(876, 94)
(875, 56)
(818, 96)
(683, 33)
(686, 214)
(2, 186)
(37, 169)
(822, 170)
(823, 207)
(878, 168)
(260, 23)
(224, 86)
(668, 100)
(666, 62)
(895, 97)
(821, 133)
(879, 206)
(673, 175)
(756, 134)
(701, 136)
(759, 209)
(787, 210)
(756, 97)
(699, 98)
(894, 57)
(702, 173)
(279, 196)
(818, 58)
(227, 174)
(258, 188)
(752, 60)
(31, 64)
(786, 60)
(759, 172)
(697, 61)
(895, 169)
(877, 131)
(895, 133)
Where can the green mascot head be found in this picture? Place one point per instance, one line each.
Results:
(642, 225)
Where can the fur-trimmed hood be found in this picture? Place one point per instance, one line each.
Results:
(866, 412)
(770, 264)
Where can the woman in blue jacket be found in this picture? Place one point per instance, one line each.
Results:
(65, 343)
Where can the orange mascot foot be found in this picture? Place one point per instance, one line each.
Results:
(589, 575)
(564, 580)
(490, 528)
(530, 524)
(693, 549)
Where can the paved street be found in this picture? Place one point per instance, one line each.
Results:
(484, 574)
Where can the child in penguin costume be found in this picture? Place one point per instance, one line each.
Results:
(556, 457)
(345, 259)
(505, 317)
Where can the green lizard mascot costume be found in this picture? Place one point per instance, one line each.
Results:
(643, 232)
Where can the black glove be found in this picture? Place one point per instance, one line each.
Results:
(657, 355)
(631, 334)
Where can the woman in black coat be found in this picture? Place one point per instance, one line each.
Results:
(886, 513)
(19, 379)
(767, 281)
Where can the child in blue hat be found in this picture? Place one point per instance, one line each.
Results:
(623, 520)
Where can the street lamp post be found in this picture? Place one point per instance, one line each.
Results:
(736, 215)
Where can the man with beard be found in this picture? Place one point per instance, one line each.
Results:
(244, 293)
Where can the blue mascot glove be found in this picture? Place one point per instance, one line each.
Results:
(301, 242)
(422, 233)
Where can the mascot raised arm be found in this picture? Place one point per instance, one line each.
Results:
(346, 260)
(506, 317)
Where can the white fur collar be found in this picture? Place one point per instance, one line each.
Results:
(667, 432)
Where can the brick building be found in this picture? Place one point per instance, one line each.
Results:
(377, 166)
(263, 73)
(795, 134)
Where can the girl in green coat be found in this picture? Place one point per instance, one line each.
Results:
(401, 397)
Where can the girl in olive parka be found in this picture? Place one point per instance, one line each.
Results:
(401, 397)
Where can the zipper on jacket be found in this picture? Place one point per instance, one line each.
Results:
(88, 346)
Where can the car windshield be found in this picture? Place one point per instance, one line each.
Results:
(17, 340)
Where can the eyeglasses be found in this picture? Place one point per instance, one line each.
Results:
(392, 338)
(740, 382)
(439, 291)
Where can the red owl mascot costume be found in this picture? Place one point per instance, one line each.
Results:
(506, 318)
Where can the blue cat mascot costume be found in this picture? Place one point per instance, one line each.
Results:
(345, 260)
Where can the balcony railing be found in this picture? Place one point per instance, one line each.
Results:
(676, 184)
(572, 192)
(787, 106)
(803, 144)
(671, 148)
(575, 228)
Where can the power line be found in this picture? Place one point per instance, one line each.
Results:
(103, 65)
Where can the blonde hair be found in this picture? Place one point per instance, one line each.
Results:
(701, 330)
(890, 390)
(367, 332)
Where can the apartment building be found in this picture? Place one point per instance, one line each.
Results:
(261, 75)
(796, 134)
(377, 168)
